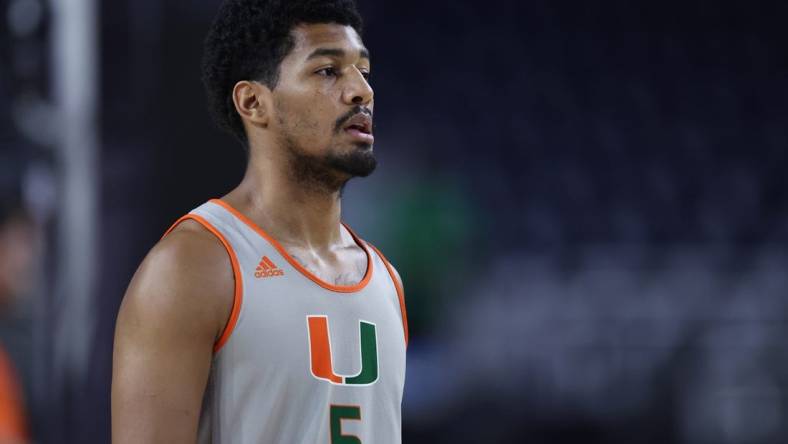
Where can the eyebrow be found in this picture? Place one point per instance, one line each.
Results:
(335, 52)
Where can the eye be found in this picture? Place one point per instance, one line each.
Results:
(327, 72)
(365, 74)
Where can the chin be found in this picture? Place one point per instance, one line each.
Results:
(357, 163)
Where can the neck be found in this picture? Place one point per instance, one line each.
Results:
(293, 209)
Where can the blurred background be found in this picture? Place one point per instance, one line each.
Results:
(587, 203)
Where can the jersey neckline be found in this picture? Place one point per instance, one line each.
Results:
(297, 265)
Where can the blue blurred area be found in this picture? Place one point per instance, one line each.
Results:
(586, 202)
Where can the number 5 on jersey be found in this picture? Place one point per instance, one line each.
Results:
(338, 413)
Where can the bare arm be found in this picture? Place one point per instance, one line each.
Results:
(174, 310)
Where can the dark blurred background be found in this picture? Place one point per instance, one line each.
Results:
(587, 203)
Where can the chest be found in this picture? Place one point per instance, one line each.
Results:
(345, 266)
(291, 330)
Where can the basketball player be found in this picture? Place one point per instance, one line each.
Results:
(259, 317)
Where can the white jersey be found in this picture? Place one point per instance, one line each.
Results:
(302, 361)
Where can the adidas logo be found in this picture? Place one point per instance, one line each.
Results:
(266, 268)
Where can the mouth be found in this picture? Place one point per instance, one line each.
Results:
(360, 127)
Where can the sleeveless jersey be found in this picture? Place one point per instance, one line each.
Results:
(302, 361)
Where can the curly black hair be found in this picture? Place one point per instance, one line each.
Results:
(248, 41)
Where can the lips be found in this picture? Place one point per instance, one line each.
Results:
(360, 127)
(359, 122)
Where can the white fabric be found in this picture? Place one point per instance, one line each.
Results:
(261, 388)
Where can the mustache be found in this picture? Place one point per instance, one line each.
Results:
(358, 109)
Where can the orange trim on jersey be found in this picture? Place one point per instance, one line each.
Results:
(400, 291)
(238, 294)
(295, 263)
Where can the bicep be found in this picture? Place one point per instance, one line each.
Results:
(158, 380)
(163, 351)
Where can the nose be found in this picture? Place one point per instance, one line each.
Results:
(358, 91)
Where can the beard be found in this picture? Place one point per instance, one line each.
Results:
(330, 173)
(360, 162)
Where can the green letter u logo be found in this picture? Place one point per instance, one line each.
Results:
(322, 363)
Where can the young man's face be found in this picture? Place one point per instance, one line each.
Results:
(324, 103)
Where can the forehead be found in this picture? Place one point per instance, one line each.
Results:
(308, 37)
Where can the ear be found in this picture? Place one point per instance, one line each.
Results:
(253, 102)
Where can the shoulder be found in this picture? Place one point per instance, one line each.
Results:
(395, 274)
(397, 281)
(389, 266)
(191, 248)
(187, 277)
(175, 309)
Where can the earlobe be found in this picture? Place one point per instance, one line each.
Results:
(251, 101)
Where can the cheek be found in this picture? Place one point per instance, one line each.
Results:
(309, 116)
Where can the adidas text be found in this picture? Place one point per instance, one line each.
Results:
(268, 273)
